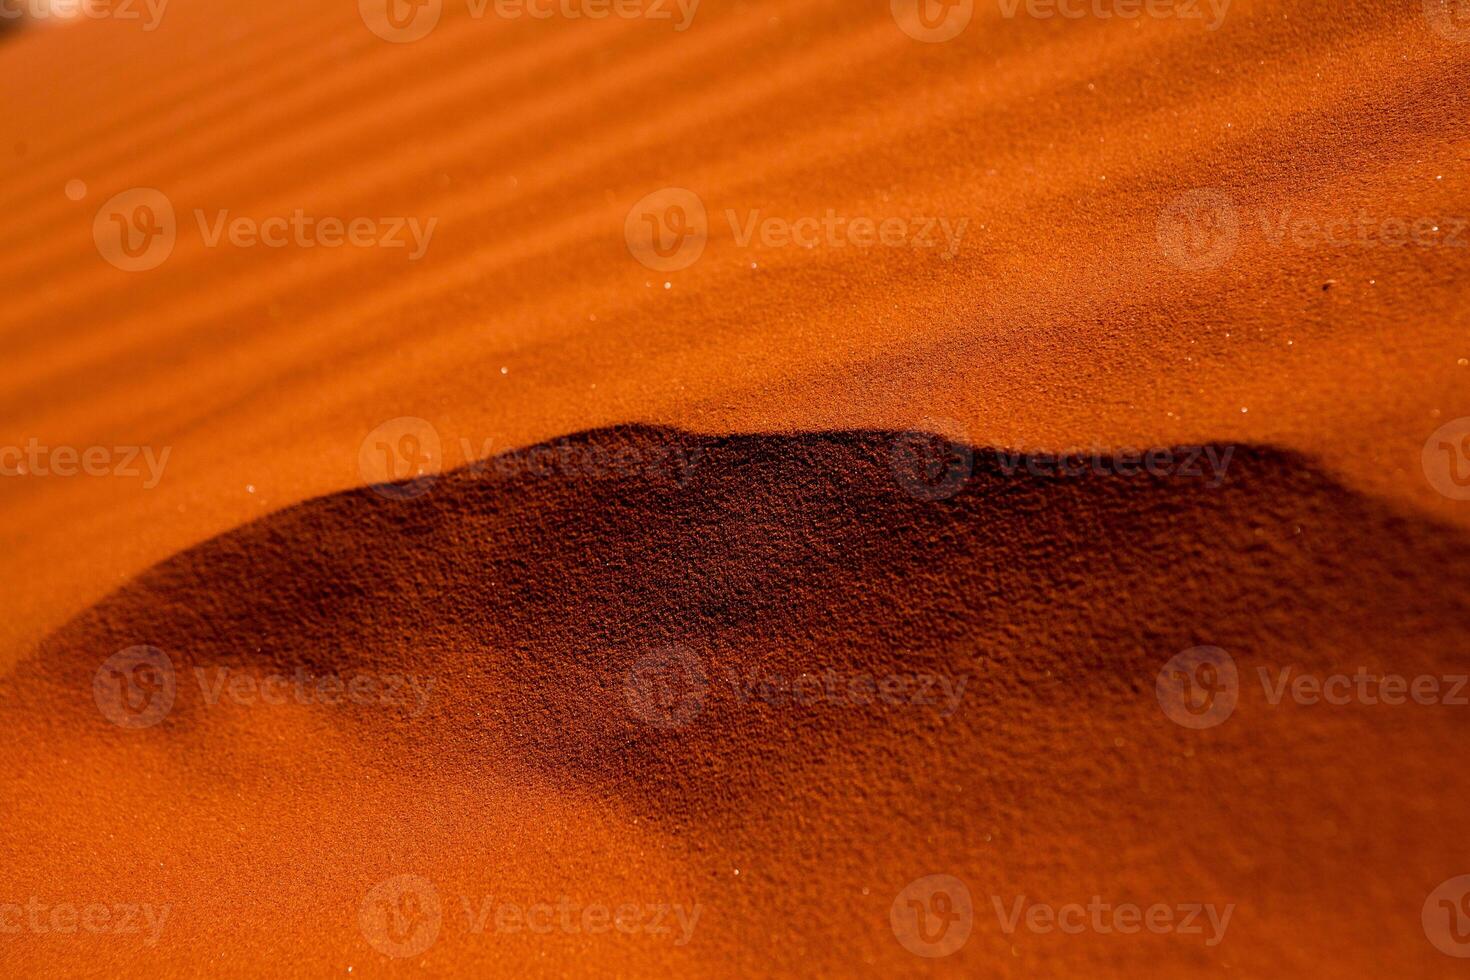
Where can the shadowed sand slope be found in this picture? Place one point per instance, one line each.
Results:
(776, 677)
(1054, 149)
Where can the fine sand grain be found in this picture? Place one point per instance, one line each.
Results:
(589, 551)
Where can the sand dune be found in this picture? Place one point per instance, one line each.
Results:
(1247, 233)
(609, 635)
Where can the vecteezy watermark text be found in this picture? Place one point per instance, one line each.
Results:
(304, 687)
(936, 21)
(402, 458)
(1207, 463)
(36, 459)
(402, 916)
(1214, 10)
(860, 690)
(1201, 229)
(150, 12)
(1201, 687)
(934, 465)
(667, 688)
(138, 687)
(668, 229)
(407, 21)
(1125, 918)
(138, 229)
(674, 921)
(93, 918)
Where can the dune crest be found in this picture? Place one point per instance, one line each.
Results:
(714, 637)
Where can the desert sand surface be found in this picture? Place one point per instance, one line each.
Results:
(1240, 239)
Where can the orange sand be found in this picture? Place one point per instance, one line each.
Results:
(1060, 322)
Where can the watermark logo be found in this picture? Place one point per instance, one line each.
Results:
(1201, 688)
(1449, 18)
(406, 21)
(401, 458)
(1446, 459)
(136, 230)
(1199, 229)
(932, 21)
(1202, 229)
(1446, 917)
(401, 917)
(135, 688)
(667, 230)
(401, 21)
(933, 916)
(666, 688)
(1125, 918)
(933, 463)
(1198, 688)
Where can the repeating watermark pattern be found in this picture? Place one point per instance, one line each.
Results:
(402, 458)
(406, 21)
(135, 688)
(939, 692)
(148, 13)
(36, 459)
(932, 21)
(1201, 229)
(1203, 919)
(933, 916)
(137, 230)
(42, 918)
(1446, 459)
(934, 462)
(667, 230)
(1449, 18)
(1211, 12)
(1199, 687)
(403, 916)
(666, 688)
(138, 687)
(1446, 917)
